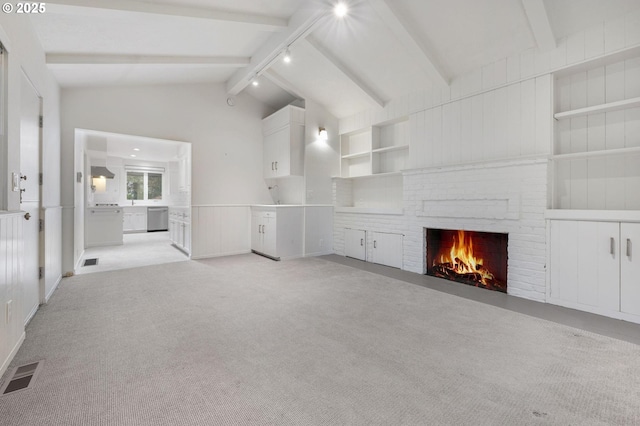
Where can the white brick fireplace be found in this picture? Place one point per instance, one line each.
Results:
(502, 196)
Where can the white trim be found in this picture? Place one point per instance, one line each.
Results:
(593, 215)
(54, 288)
(12, 354)
(370, 210)
(213, 255)
(595, 310)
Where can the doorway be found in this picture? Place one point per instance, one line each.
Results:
(124, 180)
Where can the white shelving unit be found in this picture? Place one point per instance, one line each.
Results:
(596, 152)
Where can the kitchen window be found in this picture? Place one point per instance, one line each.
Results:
(144, 185)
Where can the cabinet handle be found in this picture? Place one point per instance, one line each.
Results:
(612, 245)
(374, 244)
(361, 241)
(628, 247)
(276, 165)
(259, 229)
(272, 166)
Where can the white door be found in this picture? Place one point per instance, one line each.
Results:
(387, 249)
(630, 268)
(355, 244)
(30, 194)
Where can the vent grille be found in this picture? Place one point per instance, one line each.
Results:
(90, 262)
(21, 378)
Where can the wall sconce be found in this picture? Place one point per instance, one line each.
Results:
(322, 134)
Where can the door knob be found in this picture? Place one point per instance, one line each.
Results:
(27, 216)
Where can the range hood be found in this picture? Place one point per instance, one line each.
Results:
(101, 171)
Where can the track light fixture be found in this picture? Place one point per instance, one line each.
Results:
(287, 56)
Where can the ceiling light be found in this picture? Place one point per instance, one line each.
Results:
(287, 56)
(341, 10)
(255, 83)
(132, 155)
(136, 149)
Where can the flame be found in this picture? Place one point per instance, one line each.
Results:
(463, 259)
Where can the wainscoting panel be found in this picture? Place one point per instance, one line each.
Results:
(220, 230)
(52, 250)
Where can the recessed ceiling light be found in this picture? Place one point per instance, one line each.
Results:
(341, 10)
(287, 56)
(136, 149)
(132, 155)
(255, 83)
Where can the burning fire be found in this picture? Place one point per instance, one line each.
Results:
(461, 262)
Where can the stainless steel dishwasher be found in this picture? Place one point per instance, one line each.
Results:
(157, 219)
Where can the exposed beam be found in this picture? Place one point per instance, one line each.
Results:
(540, 25)
(409, 38)
(120, 8)
(99, 59)
(364, 88)
(279, 81)
(303, 21)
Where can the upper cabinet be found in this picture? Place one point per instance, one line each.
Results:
(596, 154)
(380, 149)
(283, 135)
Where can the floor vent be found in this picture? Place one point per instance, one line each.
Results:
(21, 378)
(90, 262)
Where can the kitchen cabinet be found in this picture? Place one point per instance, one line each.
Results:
(180, 228)
(386, 249)
(103, 226)
(283, 143)
(355, 243)
(277, 232)
(135, 219)
(592, 266)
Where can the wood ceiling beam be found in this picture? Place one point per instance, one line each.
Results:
(100, 59)
(331, 58)
(302, 23)
(405, 33)
(123, 8)
(540, 25)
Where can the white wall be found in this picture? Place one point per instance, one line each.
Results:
(226, 141)
(25, 54)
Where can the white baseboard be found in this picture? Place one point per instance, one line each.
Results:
(319, 253)
(209, 256)
(12, 354)
(55, 286)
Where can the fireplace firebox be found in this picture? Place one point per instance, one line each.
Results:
(469, 257)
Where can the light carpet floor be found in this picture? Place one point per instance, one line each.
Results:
(245, 340)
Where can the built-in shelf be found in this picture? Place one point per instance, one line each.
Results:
(608, 107)
(355, 155)
(599, 153)
(389, 149)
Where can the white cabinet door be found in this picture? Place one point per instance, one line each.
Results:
(355, 244)
(269, 233)
(256, 231)
(387, 249)
(273, 151)
(630, 268)
(585, 263)
(128, 222)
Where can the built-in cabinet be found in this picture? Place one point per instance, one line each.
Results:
(386, 249)
(134, 219)
(277, 232)
(283, 143)
(355, 243)
(593, 266)
(596, 150)
(180, 228)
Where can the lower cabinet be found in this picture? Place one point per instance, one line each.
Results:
(355, 243)
(180, 228)
(386, 249)
(277, 233)
(593, 267)
(135, 219)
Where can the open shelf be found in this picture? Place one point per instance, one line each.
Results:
(608, 107)
(355, 155)
(599, 153)
(390, 149)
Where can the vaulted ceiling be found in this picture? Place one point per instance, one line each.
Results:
(381, 50)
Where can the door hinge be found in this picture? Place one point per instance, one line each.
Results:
(40, 178)
(40, 225)
(40, 120)
(40, 273)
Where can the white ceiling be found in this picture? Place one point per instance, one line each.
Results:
(104, 144)
(382, 50)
